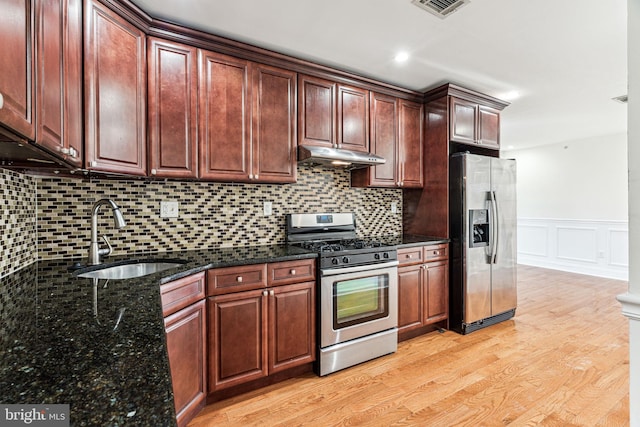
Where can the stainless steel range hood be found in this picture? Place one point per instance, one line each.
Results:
(337, 157)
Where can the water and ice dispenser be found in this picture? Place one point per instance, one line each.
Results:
(478, 228)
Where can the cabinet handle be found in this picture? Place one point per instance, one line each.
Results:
(293, 271)
(1, 101)
(154, 171)
(436, 252)
(64, 150)
(239, 279)
(272, 292)
(409, 256)
(73, 152)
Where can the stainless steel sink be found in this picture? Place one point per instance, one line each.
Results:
(130, 271)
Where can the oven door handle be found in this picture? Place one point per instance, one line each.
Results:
(357, 268)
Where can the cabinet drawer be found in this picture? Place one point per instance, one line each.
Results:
(235, 279)
(408, 256)
(287, 272)
(436, 252)
(180, 293)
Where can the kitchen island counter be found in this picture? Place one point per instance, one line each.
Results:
(100, 345)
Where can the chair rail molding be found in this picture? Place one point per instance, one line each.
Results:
(593, 247)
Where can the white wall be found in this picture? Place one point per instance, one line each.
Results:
(631, 300)
(572, 206)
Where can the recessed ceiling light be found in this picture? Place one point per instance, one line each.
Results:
(509, 96)
(401, 57)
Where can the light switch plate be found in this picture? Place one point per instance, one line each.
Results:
(168, 209)
(268, 208)
(394, 207)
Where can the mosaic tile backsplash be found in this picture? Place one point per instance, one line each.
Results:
(18, 221)
(210, 214)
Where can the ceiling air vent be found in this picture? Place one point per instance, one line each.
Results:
(440, 8)
(623, 99)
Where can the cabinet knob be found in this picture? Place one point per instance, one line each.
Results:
(265, 293)
(408, 255)
(255, 176)
(250, 176)
(93, 163)
(436, 252)
(74, 153)
(272, 292)
(239, 279)
(154, 171)
(293, 271)
(1, 101)
(64, 150)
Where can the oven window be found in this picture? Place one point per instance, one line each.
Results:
(360, 300)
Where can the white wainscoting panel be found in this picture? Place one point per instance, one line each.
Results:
(594, 247)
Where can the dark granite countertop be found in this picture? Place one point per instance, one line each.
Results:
(101, 349)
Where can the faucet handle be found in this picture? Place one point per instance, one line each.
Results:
(105, 252)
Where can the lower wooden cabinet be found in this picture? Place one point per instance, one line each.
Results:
(423, 287)
(185, 326)
(256, 333)
(253, 334)
(186, 347)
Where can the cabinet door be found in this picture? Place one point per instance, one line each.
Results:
(436, 293)
(173, 71)
(16, 67)
(224, 117)
(274, 124)
(384, 140)
(59, 78)
(237, 338)
(291, 326)
(489, 127)
(186, 337)
(115, 92)
(410, 124)
(462, 121)
(316, 111)
(353, 118)
(410, 297)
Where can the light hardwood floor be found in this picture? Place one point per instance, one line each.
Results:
(562, 361)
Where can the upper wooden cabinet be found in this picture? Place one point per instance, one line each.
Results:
(247, 120)
(473, 123)
(396, 135)
(172, 110)
(115, 92)
(41, 74)
(58, 64)
(274, 140)
(17, 67)
(410, 144)
(332, 114)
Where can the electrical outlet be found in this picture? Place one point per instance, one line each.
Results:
(168, 209)
(268, 208)
(394, 207)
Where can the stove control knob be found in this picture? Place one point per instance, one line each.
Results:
(334, 261)
(376, 256)
(385, 255)
(345, 260)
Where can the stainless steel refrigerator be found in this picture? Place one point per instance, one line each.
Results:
(482, 206)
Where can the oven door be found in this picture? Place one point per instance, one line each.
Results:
(357, 301)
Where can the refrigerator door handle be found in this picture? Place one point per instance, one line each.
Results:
(496, 228)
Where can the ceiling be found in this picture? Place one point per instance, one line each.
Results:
(566, 59)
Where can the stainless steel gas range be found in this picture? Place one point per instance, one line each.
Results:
(357, 290)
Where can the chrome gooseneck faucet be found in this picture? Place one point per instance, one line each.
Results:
(94, 249)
